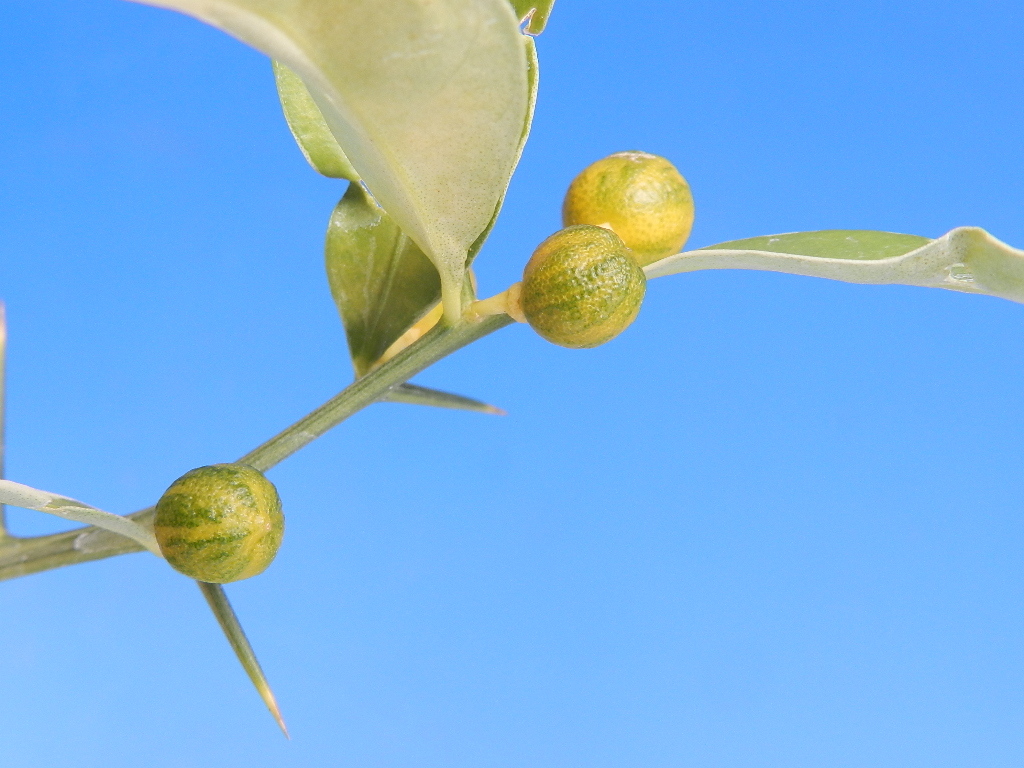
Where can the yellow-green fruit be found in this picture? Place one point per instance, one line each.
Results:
(582, 287)
(220, 523)
(640, 196)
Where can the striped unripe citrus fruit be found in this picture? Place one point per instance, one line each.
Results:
(220, 523)
(582, 287)
(641, 197)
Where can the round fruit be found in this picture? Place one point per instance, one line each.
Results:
(220, 523)
(642, 197)
(582, 287)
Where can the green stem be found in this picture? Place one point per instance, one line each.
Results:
(367, 390)
(24, 556)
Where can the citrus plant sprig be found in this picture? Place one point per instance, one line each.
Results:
(427, 135)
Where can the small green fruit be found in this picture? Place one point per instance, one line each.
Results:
(220, 523)
(642, 197)
(582, 287)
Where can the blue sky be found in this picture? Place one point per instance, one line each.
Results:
(778, 522)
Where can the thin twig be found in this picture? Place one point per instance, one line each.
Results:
(367, 390)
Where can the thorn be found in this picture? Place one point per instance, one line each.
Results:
(229, 624)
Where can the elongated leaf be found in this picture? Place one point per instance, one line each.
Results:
(537, 11)
(381, 281)
(965, 259)
(415, 395)
(18, 495)
(217, 599)
(831, 243)
(307, 124)
(427, 98)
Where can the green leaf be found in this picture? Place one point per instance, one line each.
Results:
(307, 124)
(415, 395)
(18, 495)
(831, 243)
(217, 599)
(427, 98)
(537, 11)
(966, 259)
(533, 77)
(380, 279)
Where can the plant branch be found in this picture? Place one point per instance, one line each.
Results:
(24, 556)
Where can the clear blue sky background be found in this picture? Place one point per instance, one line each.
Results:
(778, 523)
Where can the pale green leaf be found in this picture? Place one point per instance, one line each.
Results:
(427, 98)
(416, 395)
(380, 279)
(537, 11)
(965, 259)
(831, 243)
(533, 76)
(18, 495)
(307, 124)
